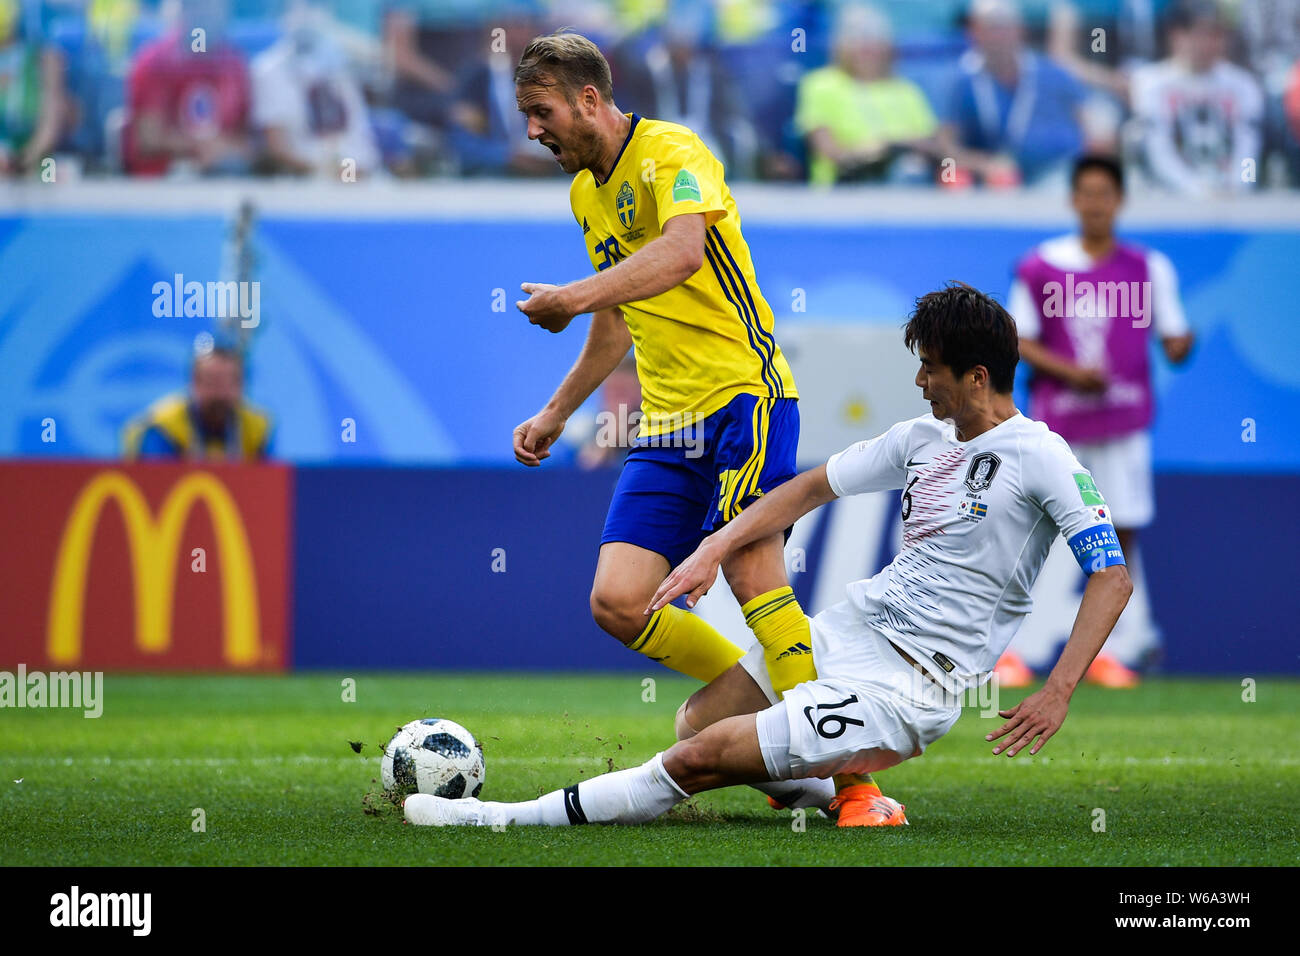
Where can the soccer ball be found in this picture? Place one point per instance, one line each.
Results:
(434, 756)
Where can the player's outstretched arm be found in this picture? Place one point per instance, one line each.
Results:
(771, 513)
(608, 340)
(1041, 714)
(661, 264)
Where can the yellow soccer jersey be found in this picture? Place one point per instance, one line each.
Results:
(701, 343)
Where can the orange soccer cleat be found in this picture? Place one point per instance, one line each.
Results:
(1012, 672)
(863, 805)
(1109, 672)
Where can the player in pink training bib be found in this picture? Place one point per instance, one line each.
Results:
(1086, 306)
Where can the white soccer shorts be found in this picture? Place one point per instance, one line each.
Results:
(873, 714)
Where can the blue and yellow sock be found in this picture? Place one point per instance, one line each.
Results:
(686, 643)
(782, 628)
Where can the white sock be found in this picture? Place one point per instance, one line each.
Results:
(791, 794)
(625, 796)
(810, 792)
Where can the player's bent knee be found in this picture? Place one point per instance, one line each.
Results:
(681, 724)
(692, 764)
(617, 614)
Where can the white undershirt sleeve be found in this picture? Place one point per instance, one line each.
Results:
(1025, 312)
(877, 464)
(1170, 320)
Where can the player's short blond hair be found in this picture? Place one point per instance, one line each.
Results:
(567, 60)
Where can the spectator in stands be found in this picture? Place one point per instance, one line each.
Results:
(429, 42)
(861, 121)
(1129, 36)
(676, 73)
(423, 87)
(1270, 30)
(188, 98)
(488, 133)
(31, 96)
(1014, 115)
(308, 106)
(1199, 115)
(212, 422)
(766, 46)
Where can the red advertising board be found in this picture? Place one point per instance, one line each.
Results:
(144, 567)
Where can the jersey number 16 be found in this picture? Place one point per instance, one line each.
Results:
(838, 722)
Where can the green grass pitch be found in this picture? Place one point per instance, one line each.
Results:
(1185, 772)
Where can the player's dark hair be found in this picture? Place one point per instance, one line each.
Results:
(962, 327)
(567, 60)
(1106, 164)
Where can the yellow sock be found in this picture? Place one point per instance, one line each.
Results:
(781, 627)
(843, 780)
(686, 643)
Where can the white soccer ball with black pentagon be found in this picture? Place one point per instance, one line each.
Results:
(434, 756)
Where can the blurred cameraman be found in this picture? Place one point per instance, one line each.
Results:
(210, 423)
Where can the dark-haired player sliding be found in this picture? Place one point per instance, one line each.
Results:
(985, 492)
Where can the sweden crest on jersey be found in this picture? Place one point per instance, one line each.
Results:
(625, 204)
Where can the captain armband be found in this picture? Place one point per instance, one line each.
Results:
(1096, 548)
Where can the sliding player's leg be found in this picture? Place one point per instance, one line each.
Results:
(757, 577)
(736, 692)
(756, 448)
(821, 728)
(868, 710)
(725, 754)
(627, 577)
(732, 693)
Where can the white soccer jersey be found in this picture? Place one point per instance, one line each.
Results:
(978, 520)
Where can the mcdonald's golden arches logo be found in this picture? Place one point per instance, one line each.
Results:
(153, 545)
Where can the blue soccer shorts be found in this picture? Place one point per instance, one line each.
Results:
(675, 489)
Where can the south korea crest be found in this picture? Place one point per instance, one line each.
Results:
(625, 204)
(981, 471)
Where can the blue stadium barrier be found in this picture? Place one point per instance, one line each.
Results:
(394, 569)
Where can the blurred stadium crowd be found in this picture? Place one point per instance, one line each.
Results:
(1197, 96)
